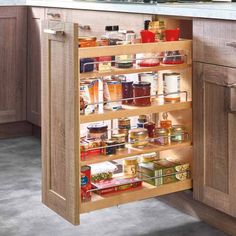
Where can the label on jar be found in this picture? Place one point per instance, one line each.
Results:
(130, 170)
(171, 83)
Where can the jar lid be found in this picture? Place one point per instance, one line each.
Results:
(138, 131)
(178, 128)
(97, 126)
(141, 84)
(118, 136)
(131, 161)
(87, 38)
(126, 82)
(124, 119)
(170, 74)
(109, 141)
(112, 28)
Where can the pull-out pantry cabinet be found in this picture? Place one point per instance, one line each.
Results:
(61, 119)
(214, 114)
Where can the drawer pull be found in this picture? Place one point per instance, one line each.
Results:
(85, 27)
(232, 99)
(53, 32)
(54, 15)
(231, 44)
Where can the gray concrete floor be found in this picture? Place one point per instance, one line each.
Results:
(23, 214)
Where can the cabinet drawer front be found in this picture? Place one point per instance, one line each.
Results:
(214, 41)
(55, 14)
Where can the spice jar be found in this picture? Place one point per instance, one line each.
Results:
(125, 132)
(119, 140)
(142, 119)
(109, 147)
(138, 137)
(153, 79)
(97, 131)
(171, 82)
(127, 92)
(142, 92)
(124, 123)
(161, 136)
(123, 61)
(87, 42)
(130, 167)
(179, 134)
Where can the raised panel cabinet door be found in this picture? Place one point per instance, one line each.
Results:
(35, 16)
(13, 32)
(214, 136)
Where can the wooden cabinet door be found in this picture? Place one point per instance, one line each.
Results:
(35, 16)
(214, 136)
(13, 28)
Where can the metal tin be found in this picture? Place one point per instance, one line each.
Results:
(171, 83)
(85, 182)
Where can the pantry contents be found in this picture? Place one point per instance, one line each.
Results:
(164, 171)
(97, 131)
(123, 61)
(102, 171)
(130, 167)
(172, 34)
(161, 136)
(158, 28)
(127, 92)
(142, 93)
(119, 140)
(87, 97)
(149, 157)
(138, 137)
(109, 147)
(179, 134)
(171, 83)
(85, 183)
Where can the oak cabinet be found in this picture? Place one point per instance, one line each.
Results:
(35, 17)
(214, 123)
(13, 28)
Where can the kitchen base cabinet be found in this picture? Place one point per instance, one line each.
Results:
(214, 129)
(13, 35)
(35, 17)
(62, 120)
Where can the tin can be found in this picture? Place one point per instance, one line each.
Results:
(171, 83)
(130, 167)
(85, 183)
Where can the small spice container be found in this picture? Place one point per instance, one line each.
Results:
(127, 92)
(179, 134)
(171, 83)
(119, 140)
(124, 61)
(142, 90)
(87, 42)
(97, 131)
(138, 137)
(130, 167)
(109, 147)
(142, 119)
(125, 132)
(161, 136)
(124, 123)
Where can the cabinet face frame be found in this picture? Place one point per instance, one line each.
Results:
(60, 106)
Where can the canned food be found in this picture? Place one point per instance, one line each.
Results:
(130, 167)
(171, 87)
(85, 183)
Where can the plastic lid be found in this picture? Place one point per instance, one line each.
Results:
(112, 28)
(97, 126)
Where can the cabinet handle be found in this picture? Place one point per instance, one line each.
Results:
(53, 32)
(232, 98)
(85, 27)
(54, 15)
(231, 44)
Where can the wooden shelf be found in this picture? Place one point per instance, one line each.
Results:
(133, 70)
(130, 151)
(147, 191)
(184, 44)
(129, 111)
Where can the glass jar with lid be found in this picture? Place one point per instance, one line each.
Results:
(142, 93)
(130, 167)
(119, 140)
(97, 131)
(138, 137)
(161, 136)
(127, 92)
(179, 134)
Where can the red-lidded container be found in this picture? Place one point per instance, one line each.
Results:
(85, 183)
